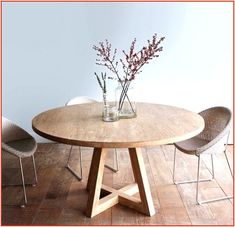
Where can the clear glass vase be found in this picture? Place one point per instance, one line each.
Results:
(125, 100)
(110, 112)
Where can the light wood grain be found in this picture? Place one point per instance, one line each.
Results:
(124, 196)
(82, 125)
(141, 178)
(95, 182)
(49, 206)
(207, 214)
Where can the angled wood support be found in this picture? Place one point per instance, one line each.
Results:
(95, 181)
(137, 162)
(95, 159)
(124, 196)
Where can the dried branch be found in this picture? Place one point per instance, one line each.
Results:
(131, 63)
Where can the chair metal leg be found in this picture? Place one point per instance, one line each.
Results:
(198, 177)
(197, 189)
(35, 171)
(212, 167)
(23, 184)
(223, 197)
(230, 169)
(198, 181)
(226, 145)
(27, 184)
(188, 181)
(114, 169)
(214, 200)
(80, 159)
(174, 166)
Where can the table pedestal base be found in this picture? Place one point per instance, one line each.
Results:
(124, 196)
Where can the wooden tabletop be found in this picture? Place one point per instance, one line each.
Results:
(82, 125)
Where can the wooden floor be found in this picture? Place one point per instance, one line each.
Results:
(60, 199)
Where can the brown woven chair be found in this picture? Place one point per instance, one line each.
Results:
(21, 144)
(212, 140)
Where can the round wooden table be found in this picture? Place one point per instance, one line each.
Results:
(82, 125)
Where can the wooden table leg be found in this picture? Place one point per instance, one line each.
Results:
(91, 171)
(141, 179)
(95, 205)
(95, 181)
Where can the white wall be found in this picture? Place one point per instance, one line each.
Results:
(48, 56)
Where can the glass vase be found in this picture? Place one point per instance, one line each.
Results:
(125, 100)
(110, 112)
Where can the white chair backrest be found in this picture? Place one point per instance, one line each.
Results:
(80, 100)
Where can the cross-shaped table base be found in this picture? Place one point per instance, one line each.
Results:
(124, 196)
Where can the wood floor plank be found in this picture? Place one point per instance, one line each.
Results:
(224, 177)
(205, 213)
(55, 198)
(73, 212)
(168, 194)
(12, 213)
(59, 199)
(124, 215)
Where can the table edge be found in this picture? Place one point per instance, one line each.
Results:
(118, 144)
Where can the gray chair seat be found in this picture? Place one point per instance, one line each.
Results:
(190, 146)
(212, 140)
(21, 144)
(21, 148)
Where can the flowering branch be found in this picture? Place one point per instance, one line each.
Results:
(131, 65)
(107, 59)
(136, 60)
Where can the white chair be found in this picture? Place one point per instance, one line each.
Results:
(212, 140)
(83, 100)
(21, 144)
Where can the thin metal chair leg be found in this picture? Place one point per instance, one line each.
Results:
(80, 158)
(198, 176)
(210, 200)
(70, 169)
(198, 180)
(212, 167)
(23, 185)
(174, 166)
(228, 163)
(117, 166)
(189, 181)
(226, 145)
(67, 164)
(35, 171)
